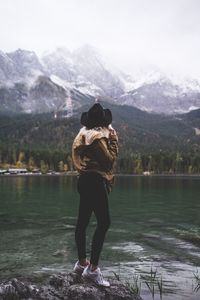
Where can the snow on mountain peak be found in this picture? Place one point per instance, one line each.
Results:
(87, 71)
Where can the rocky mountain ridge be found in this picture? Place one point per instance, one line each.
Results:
(29, 83)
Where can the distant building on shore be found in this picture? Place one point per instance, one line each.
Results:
(17, 171)
(147, 173)
(3, 172)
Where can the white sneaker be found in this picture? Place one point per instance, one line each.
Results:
(95, 276)
(78, 268)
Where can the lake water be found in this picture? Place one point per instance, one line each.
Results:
(155, 225)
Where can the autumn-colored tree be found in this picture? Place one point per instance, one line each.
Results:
(31, 164)
(61, 166)
(43, 167)
(65, 167)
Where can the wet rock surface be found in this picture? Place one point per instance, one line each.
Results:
(64, 286)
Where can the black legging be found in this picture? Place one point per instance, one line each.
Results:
(93, 198)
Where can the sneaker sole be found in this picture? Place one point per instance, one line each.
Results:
(89, 280)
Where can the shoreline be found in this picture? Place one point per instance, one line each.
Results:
(160, 175)
(116, 175)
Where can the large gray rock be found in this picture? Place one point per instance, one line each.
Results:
(64, 286)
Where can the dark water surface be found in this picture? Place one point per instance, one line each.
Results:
(155, 225)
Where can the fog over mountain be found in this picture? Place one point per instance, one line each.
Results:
(29, 83)
(134, 34)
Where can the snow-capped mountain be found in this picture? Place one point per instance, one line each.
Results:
(7, 68)
(92, 67)
(163, 94)
(85, 70)
(19, 65)
(29, 83)
(60, 64)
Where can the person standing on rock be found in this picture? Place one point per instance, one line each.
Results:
(94, 152)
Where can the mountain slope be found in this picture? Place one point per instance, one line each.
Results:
(138, 131)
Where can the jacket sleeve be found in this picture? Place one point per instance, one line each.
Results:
(105, 152)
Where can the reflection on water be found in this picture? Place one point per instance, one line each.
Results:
(155, 225)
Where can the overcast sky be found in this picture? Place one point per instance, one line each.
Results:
(131, 33)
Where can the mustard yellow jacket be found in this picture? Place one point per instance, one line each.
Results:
(93, 150)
